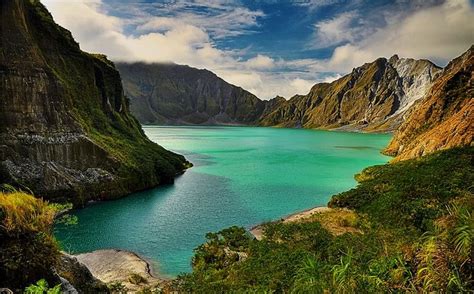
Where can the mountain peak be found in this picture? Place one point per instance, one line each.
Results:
(394, 58)
(324, 108)
(443, 118)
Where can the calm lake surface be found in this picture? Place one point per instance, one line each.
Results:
(241, 176)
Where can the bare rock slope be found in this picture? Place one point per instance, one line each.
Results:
(373, 97)
(444, 118)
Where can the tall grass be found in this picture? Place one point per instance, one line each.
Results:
(22, 213)
(28, 250)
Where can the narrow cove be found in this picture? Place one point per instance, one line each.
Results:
(241, 176)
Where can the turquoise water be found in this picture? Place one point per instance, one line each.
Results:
(241, 176)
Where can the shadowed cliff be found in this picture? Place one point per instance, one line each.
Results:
(164, 93)
(65, 127)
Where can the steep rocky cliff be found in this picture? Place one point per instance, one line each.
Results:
(444, 118)
(179, 94)
(373, 97)
(65, 128)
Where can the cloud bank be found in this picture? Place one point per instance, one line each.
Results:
(184, 39)
(189, 32)
(438, 33)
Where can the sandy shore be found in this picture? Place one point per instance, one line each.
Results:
(112, 265)
(306, 214)
(257, 231)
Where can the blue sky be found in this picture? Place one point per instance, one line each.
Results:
(270, 47)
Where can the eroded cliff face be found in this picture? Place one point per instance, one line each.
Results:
(373, 97)
(179, 94)
(65, 128)
(444, 118)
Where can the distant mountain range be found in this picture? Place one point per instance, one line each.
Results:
(179, 94)
(430, 107)
(373, 97)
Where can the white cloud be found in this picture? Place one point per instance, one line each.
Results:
(315, 4)
(93, 29)
(220, 19)
(268, 85)
(344, 27)
(303, 86)
(437, 33)
(165, 39)
(440, 33)
(331, 78)
(260, 62)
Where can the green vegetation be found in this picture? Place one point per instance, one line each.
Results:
(411, 229)
(28, 250)
(411, 194)
(102, 109)
(42, 287)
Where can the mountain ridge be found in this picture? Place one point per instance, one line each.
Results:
(168, 93)
(373, 97)
(388, 105)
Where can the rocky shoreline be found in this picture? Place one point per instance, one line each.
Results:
(101, 269)
(121, 267)
(135, 273)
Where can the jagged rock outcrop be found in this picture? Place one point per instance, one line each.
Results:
(373, 97)
(179, 94)
(113, 265)
(77, 277)
(66, 131)
(444, 118)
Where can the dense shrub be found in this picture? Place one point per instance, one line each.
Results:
(28, 250)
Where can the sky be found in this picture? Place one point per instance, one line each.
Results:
(270, 47)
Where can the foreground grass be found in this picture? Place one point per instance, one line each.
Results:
(28, 250)
(411, 229)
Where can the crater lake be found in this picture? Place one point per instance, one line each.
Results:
(241, 176)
